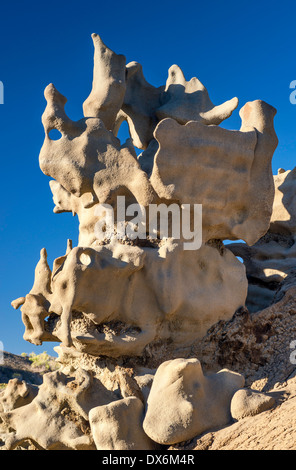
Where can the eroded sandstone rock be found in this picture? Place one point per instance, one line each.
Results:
(118, 426)
(232, 206)
(17, 393)
(270, 263)
(184, 403)
(109, 84)
(131, 311)
(200, 284)
(56, 418)
(249, 403)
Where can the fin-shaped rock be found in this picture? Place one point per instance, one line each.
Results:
(108, 88)
(189, 101)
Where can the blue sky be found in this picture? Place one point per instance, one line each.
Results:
(243, 49)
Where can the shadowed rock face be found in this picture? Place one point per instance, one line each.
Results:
(116, 303)
(270, 263)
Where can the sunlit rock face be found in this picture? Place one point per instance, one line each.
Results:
(127, 297)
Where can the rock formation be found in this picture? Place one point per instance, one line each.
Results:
(183, 402)
(270, 263)
(131, 306)
(249, 403)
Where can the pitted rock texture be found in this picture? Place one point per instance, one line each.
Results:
(134, 282)
(188, 161)
(260, 344)
(270, 263)
(138, 315)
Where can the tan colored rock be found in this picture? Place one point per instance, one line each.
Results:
(67, 202)
(56, 418)
(183, 402)
(138, 109)
(189, 101)
(118, 426)
(117, 305)
(36, 305)
(91, 167)
(144, 378)
(271, 261)
(283, 219)
(118, 380)
(88, 160)
(259, 344)
(247, 402)
(144, 105)
(201, 285)
(243, 156)
(108, 88)
(271, 430)
(17, 393)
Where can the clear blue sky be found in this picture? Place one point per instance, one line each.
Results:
(243, 49)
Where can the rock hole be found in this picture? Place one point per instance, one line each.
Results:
(54, 134)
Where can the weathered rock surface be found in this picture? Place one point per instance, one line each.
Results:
(55, 419)
(201, 284)
(258, 344)
(140, 315)
(283, 218)
(271, 261)
(109, 84)
(121, 282)
(17, 393)
(249, 403)
(183, 402)
(187, 101)
(118, 426)
(232, 206)
(271, 430)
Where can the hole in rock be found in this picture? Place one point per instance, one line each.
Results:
(54, 134)
(124, 134)
(85, 259)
